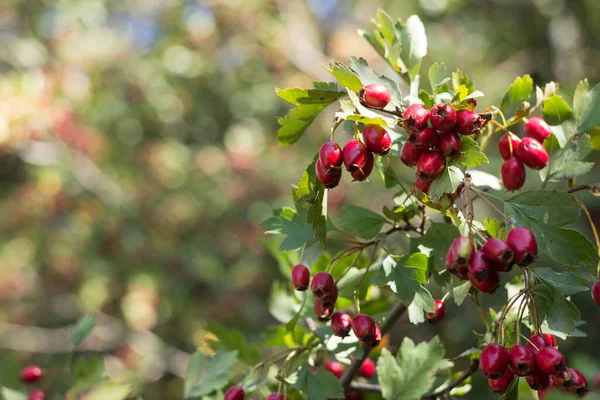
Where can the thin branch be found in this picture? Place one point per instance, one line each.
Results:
(365, 387)
(466, 373)
(594, 188)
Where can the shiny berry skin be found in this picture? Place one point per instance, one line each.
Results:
(551, 339)
(323, 312)
(494, 360)
(362, 173)
(488, 285)
(31, 374)
(426, 138)
(523, 244)
(367, 369)
(538, 341)
(38, 394)
(377, 338)
(374, 95)
(458, 256)
(335, 368)
(561, 380)
(532, 154)
(409, 154)
(276, 396)
(415, 117)
(329, 178)
(504, 145)
(480, 268)
(377, 139)
(354, 154)
(439, 313)
(364, 328)
(596, 292)
(498, 253)
(331, 155)
(442, 117)
(521, 360)
(235, 393)
(469, 122)
(501, 384)
(330, 297)
(300, 277)
(322, 284)
(513, 174)
(431, 164)
(538, 380)
(422, 185)
(550, 360)
(537, 129)
(341, 323)
(449, 144)
(579, 384)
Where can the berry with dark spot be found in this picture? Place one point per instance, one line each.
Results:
(415, 117)
(341, 323)
(409, 154)
(300, 277)
(442, 117)
(364, 328)
(499, 254)
(449, 144)
(494, 360)
(469, 122)
(431, 164)
(524, 246)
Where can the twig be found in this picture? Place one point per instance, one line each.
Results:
(484, 198)
(365, 387)
(594, 230)
(594, 188)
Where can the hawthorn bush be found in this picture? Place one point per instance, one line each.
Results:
(337, 313)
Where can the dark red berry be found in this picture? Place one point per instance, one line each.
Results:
(422, 185)
(551, 339)
(488, 285)
(377, 139)
(331, 155)
(329, 178)
(523, 244)
(330, 297)
(355, 155)
(341, 323)
(353, 395)
(521, 360)
(579, 384)
(276, 396)
(364, 328)
(469, 122)
(415, 117)
(561, 380)
(538, 380)
(536, 342)
(596, 292)
(532, 154)
(458, 256)
(439, 313)
(505, 143)
(38, 394)
(300, 277)
(235, 393)
(335, 368)
(442, 117)
(362, 173)
(431, 164)
(494, 360)
(550, 360)
(426, 138)
(542, 393)
(501, 384)
(322, 284)
(374, 95)
(322, 311)
(409, 154)
(513, 174)
(537, 129)
(31, 374)
(480, 268)
(377, 338)
(367, 369)
(449, 144)
(499, 254)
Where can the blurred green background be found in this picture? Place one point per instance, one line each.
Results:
(138, 157)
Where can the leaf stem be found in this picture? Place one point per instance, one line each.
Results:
(484, 198)
(594, 230)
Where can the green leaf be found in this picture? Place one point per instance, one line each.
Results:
(460, 292)
(205, 375)
(288, 222)
(471, 154)
(438, 75)
(587, 107)
(310, 198)
(560, 314)
(367, 76)
(566, 163)
(282, 306)
(412, 373)
(89, 369)
(438, 238)
(520, 91)
(363, 222)
(345, 76)
(82, 328)
(566, 283)
(556, 110)
(347, 112)
(11, 394)
(386, 26)
(494, 228)
(321, 385)
(108, 391)
(447, 183)
(414, 44)
(513, 391)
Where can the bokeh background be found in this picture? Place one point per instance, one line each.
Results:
(138, 157)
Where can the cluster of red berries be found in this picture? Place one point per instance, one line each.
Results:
(528, 151)
(366, 370)
(30, 375)
(428, 146)
(481, 267)
(237, 393)
(542, 365)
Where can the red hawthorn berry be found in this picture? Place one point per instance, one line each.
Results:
(300, 277)
(442, 117)
(513, 174)
(523, 244)
(479, 267)
(353, 395)
(551, 339)
(488, 285)
(521, 360)
(538, 380)
(561, 380)
(374, 95)
(431, 164)
(596, 292)
(458, 256)
(362, 173)
(322, 284)
(409, 154)
(536, 342)
(415, 117)
(449, 144)
(469, 122)
(31, 374)
(331, 155)
(550, 360)
(532, 153)
(579, 384)
(367, 369)
(494, 360)
(425, 138)
(501, 384)
(505, 143)
(537, 129)
(439, 313)
(377, 338)
(499, 254)
(364, 328)
(355, 155)
(542, 393)
(377, 139)
(335, 368)
(341, 323)
(422, 185)
(322, 311)
(38, 394)
(330, 297)
(276, 396)
(329, 178)
(235, 393)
